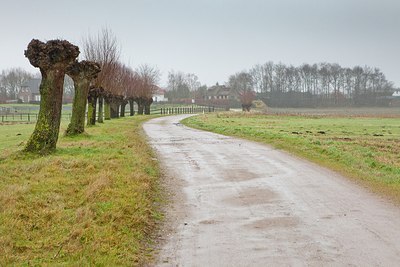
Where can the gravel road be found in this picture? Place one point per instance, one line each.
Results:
(239, 203)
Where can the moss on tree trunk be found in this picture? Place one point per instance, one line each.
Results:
(44, 137)
(89, 114)
(91, 119)
(123, 106)
(107, 115)
(77, 124)
(131, 107)
(114, 110)
(100, 110)
(147, 105)
(140, 104)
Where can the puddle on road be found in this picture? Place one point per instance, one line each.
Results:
(238, 175)
(277, 222)
(252, 196)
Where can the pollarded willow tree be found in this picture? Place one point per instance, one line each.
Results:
(82, 73)
(52, 58)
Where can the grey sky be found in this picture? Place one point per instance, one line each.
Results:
(215, 38)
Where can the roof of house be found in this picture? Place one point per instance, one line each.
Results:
(159, 91)
(217, 90)
(33, 85)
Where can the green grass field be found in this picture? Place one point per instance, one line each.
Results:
(366, 149)
(95, 202)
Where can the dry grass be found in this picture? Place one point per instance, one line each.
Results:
(93, 202)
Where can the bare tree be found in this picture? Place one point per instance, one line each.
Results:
(52, 58)
(242, 84)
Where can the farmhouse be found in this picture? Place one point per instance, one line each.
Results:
(30, 91)
(159, 95)
(220, 92)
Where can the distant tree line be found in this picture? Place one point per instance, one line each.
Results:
(323, 84)
(280, 85)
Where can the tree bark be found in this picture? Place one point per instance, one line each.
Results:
(123, 105)
(52, 58)
(91, 114)
(140, 104)
(114, 109)
(131, 107)
(93, 95)
(77, 124)
(100, 110)
(107, 115)
(147, 105)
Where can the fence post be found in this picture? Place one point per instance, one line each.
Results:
(29, 117)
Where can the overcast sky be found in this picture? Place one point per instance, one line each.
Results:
(214, 38)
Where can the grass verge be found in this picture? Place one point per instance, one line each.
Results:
(93, 202)
(366, 149)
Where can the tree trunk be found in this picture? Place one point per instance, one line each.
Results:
(107, 111)
(114, 109)
(91, 115)
(77, 124)
(147, 106)
(140, 104)
(100, 111)
(44, 137)
(123, 106)
(131, 107)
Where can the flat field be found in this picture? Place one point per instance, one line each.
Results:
(363, 147)
(93, 202)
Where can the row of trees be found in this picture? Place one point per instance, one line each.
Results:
(320, 84)
(101, 81)
(117, 84)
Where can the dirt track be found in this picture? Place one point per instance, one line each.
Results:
(238, 203)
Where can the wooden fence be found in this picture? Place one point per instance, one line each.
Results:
(189, 110)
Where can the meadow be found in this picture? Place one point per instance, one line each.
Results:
(95, 201)
(363, 147)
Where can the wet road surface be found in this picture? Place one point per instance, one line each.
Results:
(239, 203)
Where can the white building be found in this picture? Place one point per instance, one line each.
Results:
(159, 96)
